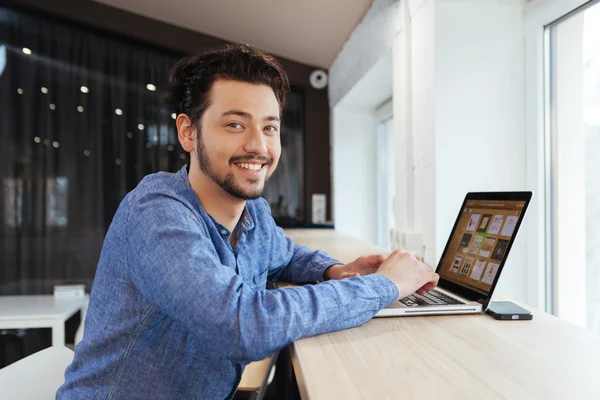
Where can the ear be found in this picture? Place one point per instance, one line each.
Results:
(186, 132)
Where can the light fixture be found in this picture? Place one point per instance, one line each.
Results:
(129, 135)
(27, 51)
(84, 89)
(151, 87)
(37, 139)
(52, 106)
(170, 147)
(20, 91)
(44, 90)
(174, 116)
(80, 108)
(86, 153)
(55, 144)
(182, 156)
(46, 142)
(118, 161)
(141, 127)
(118, 111)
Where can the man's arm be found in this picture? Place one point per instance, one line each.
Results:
(173, 266)
(296, 263)
(290, 261)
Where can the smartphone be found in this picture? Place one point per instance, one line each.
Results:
(508, 311)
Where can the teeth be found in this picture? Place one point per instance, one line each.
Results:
(252, 167)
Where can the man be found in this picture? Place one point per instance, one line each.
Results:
(179, 305)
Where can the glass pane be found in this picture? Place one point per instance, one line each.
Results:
(575, 141)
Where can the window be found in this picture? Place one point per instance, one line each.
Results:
(13, 202)
(573, 140)
(386, 188)
(82, 121)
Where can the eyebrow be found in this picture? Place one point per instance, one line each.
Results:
(247, 115)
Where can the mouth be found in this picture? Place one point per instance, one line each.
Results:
(252, 170)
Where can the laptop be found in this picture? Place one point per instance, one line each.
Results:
(472, 261)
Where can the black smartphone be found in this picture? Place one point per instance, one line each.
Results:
(508, 311)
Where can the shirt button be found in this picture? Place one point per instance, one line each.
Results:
(224, 232)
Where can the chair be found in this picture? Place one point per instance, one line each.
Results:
(36, 377)
(257, 376)
(79, 333)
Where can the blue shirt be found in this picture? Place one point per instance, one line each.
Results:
(176, 313)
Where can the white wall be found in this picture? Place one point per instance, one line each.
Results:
(370, 41)
(360, 81)
(354, 145)
(354, 152)
(480, 142)
(414, 117)
(458, 107)
(458, 111)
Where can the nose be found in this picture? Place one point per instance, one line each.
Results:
(256, 142)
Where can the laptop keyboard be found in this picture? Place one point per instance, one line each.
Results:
(432, 298)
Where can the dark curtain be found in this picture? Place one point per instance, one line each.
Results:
(81, 123)
(285, 189)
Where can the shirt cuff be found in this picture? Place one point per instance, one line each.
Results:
(319, 264)
(385, 288)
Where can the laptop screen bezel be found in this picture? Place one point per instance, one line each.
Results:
(493, 196)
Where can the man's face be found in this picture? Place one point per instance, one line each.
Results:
(239, 144)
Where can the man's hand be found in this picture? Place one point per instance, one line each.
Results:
(361, 266)
(409, 273)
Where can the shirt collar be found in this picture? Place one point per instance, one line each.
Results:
(246, 221)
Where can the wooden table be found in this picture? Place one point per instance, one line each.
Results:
(444, 357)
(40, 311)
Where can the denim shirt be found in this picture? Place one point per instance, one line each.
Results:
(176, 313)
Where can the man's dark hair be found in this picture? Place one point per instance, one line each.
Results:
(191, 79)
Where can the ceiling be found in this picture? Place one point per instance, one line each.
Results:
(308, 31)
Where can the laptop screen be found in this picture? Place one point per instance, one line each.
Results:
(480, 241)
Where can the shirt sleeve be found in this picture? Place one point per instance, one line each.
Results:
(173, 264)
(290, 261)
(295, 263)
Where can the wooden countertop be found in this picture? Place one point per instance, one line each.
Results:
(343, 247)
(443, 357)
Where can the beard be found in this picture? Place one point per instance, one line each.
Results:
(228, 182)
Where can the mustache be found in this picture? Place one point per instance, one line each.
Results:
(249, 157)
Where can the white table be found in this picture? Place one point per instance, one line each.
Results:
(40, 311)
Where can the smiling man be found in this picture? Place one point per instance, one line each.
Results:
(179, 304)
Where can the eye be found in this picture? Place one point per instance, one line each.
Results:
(271, 128)
(235, 125)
